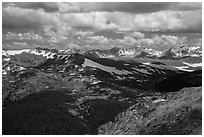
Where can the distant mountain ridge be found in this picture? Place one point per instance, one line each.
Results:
(53, 57)
(138, 52)
(172, 53)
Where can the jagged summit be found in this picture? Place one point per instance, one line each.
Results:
(169, 54)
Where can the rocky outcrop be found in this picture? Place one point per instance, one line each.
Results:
(179, 113)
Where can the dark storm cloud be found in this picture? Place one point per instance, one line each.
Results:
(47, 6)
(132, 7)
(186, 6)
(15, 17)
(137, 7)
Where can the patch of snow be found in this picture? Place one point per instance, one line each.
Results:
(193, 64)
(163, 72)
(96, 82)
(65, 51)
(159, 100)
(66, 61)
(4, 53)
(121, 77)
(81, 69)
(135, 72)
(146, 63)
(142, 70)
(74, 90)
(42, 52)
(104, 55)
(22, 68)
(195, 55)
(7, 59)
(63, 69)
(4, 72)
(131, 77)
(153, 52)
(118, 77)
(112, 70)
(194, 48)
(13, 52)
(9, 68)
(46, 86)
(139, 80)
(153, 70)
(93, 68)
(72, 74)
(184, 68)
(126, 52)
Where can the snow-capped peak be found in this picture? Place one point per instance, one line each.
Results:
(44, 53)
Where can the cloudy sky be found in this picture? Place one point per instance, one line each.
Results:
(100, 25)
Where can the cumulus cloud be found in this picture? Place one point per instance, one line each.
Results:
(100, 24)
(96, 20)
(72, 46)
(15, 17)
(162, 42)
(113, 34)
(136, 35)
(16, 45)
(22, 44)
(156, 21)
(98, 39)
(65, 7)
(164, 21)
(23, 36)
(127, 40)
(54, 36)
(46, 6)
(84, 33)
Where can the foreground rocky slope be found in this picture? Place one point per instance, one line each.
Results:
(61, 112)
(178, 113)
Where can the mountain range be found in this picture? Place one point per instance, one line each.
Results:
(90, 92)
(172, 53)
